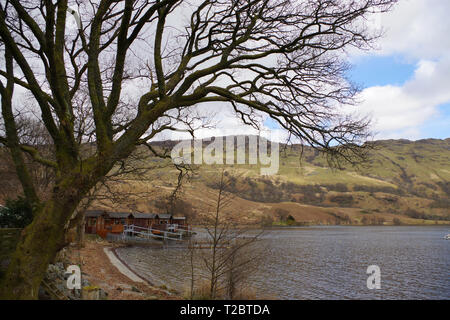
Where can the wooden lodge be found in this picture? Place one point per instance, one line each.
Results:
(103, 222)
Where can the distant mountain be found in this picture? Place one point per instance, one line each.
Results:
(402, 182)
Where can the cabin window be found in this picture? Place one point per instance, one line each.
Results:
(92, 222)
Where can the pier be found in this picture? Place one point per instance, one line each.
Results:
(133, 233)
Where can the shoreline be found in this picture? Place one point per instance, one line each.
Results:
(131, 270)
(124, 268)
(103, 268)
(120, 280)
(275, 227)
(319, 261)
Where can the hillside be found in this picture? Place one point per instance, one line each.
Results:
(404, 182)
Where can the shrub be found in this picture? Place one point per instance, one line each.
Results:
(341, 218)
(441, 203)
(291, 220)
(17, 213)
(372, 220)
(339, 187)
(177, 207)
(266, 220)
(345, 200)
(373, 189)
(415, 214)
(282, 214)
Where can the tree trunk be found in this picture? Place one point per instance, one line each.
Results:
(80, 231)
(38, 246)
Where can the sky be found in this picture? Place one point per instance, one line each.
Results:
(405, 80)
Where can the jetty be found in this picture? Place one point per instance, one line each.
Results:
(133, 233)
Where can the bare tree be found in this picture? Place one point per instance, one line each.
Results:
(33, 138)
(278, 57)
(191, 255)
(228, 241)
(244, 259)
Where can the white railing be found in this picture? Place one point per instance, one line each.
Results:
(152, 233)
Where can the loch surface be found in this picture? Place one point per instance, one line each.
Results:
(326, 263)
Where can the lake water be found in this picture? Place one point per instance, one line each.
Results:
(327, 263)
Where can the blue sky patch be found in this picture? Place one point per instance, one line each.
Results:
(438, 127)
(271, 124)
(380, 71)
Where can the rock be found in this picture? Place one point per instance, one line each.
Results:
(62, 287)
(52, 269)
(76, 294)
(55, 271)
(103, 295)
(60, 266)
(43, 295)
(135, 289)
(51, 276)
(57, 276)
(85, 283)
(90, 293)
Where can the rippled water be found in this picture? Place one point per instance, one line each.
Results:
(328, 263)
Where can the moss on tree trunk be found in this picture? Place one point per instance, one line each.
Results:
(37, 247)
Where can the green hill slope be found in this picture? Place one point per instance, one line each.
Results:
(404, 179)
(402, 182)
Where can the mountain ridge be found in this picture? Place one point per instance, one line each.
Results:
(403, 182)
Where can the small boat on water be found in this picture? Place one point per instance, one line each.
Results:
(447, 237)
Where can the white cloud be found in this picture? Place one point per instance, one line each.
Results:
(417, 30)
(226, 123)
(399, 111)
